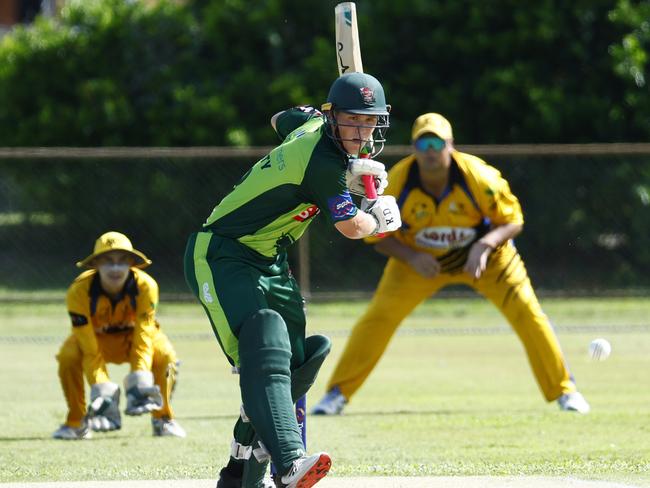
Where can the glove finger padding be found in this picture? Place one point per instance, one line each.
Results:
(142, 396)
(385, 211)
(360, 167)
(104, 409)
(100, 423)
(366, 166)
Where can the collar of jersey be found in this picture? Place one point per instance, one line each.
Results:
(130, 288)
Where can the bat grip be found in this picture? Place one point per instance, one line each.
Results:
(369, 185)
(368, 180)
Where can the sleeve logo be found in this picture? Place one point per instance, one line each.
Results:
(341, 207)
(77, 319)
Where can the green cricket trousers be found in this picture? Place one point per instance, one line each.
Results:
(257, 314)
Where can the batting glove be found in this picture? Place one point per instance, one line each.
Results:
(385, 211)
(104, 409)
(359, 167)
(142, 396)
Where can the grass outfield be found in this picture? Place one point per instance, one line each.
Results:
(452, 396)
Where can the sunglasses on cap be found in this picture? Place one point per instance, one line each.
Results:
(430, 142)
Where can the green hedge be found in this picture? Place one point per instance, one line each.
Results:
(110, 72)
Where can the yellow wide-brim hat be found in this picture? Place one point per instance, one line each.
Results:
(114, 241)
(431, 123)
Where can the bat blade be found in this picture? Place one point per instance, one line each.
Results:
(348, 49)
(348, 58)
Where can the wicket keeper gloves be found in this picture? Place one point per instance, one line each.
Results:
(359, 167)
(385, 211)
(104, 409)
(142, 396)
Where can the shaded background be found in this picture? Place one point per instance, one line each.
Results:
(211, 73)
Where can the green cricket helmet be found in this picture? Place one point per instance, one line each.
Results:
(358, 93)
(362, 94)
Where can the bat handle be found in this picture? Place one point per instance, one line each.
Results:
(369, 184)
(368, 180)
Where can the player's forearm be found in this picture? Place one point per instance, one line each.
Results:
(391, 247)
(360, 226)
(501, 234)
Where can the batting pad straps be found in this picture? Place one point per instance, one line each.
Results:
(239, 451)
(261, 453)
(242, 452)
(242, 414)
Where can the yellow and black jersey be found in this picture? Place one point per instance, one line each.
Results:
(98, 320)
(477, 197)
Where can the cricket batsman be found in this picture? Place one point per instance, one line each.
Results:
(459, 218)
(237, 268)
(112, 307)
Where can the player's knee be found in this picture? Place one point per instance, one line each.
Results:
(265, 328)
(264, 343)
(317, 347)
(164, 356)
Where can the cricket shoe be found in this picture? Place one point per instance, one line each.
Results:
(573, 402)
(164, 427)
(68, 433)
(306, 471)
(331, 404)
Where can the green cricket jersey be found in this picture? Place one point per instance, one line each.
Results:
(275, 201)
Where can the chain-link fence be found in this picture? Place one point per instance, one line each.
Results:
(586, 208)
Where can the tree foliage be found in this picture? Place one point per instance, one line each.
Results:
(208, 72)
(110, 72)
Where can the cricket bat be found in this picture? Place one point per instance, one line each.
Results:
(348, 58)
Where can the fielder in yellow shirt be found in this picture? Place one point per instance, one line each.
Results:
(458, 221)
(112, 307)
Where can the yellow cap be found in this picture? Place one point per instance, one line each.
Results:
(431, 123)
(114, 241)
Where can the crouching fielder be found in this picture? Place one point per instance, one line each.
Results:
(112, 307)
(237, 267)
(459, 220)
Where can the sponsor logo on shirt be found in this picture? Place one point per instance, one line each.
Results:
(445, 237)
(307, 214)
(279, 155)
(341, 206)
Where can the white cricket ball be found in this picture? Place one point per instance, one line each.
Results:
(599, 349)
